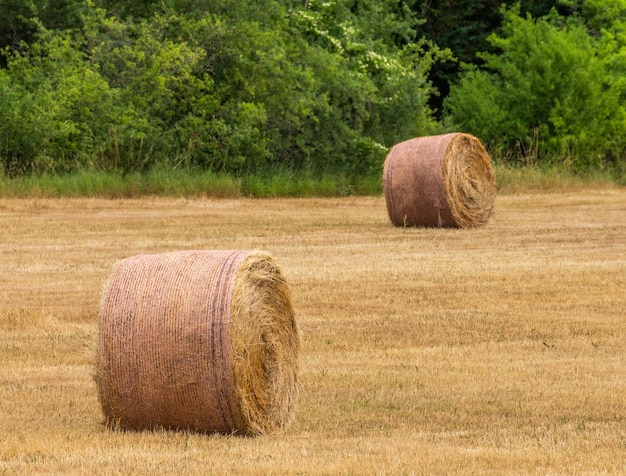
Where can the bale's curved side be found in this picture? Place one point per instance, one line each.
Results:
(439, 181)
(174, 337)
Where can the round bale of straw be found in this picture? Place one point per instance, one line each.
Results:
(439, 181)
(203, 341)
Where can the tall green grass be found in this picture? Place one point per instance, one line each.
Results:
(308, 184)
(158, 182)
(195, 183)
(549, 179)
(188, 183)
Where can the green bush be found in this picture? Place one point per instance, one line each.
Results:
(551, 94)
(239, 87)
(53, 108)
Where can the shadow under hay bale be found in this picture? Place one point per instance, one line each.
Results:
(198, 340)
(439, 181)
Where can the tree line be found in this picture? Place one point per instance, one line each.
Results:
(243, 86)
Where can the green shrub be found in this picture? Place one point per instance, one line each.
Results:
(548, 95)
(237, 88)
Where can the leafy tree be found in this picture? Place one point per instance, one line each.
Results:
(51, 107)
(227, 86)
(124, 9)
(20, 19)
(463, 27)
(549, 94)
(377, 92)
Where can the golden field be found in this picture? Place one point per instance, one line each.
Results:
(498, 350)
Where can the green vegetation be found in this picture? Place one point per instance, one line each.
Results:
(274, 98)
(553, 93)
(189, 183)
(199, 183)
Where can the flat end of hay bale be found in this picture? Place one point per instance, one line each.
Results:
(439, 181)
(469, 181)
(265, 344)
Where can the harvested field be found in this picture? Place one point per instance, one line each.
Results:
(495, 350)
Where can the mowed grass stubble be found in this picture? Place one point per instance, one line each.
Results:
(491, 350)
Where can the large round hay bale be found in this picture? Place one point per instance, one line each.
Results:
(439, 181)
(198, 340)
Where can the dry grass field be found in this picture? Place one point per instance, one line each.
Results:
(498, 350)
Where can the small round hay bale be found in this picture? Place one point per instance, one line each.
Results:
(439, 181)
(204, 341)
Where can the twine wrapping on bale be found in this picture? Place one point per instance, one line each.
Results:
(198, 340)
(439, 181)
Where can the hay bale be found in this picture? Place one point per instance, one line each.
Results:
(439, 181)
(198, 340)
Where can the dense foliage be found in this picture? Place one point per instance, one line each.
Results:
(309, 85)
(555, 90)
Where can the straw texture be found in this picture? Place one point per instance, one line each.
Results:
(198, 340)
(439, 181)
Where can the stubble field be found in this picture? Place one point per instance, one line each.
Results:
(499, 350)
